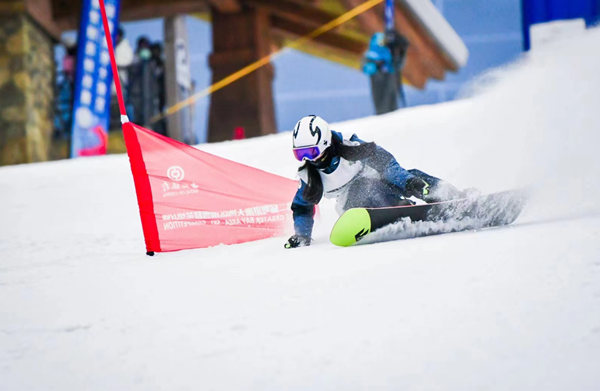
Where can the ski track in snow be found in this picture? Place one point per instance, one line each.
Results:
(509, 308)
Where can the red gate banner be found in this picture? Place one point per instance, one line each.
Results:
(190, 199)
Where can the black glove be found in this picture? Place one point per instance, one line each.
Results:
(416, 187)
(297, 241)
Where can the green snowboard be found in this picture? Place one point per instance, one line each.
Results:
(479, 212)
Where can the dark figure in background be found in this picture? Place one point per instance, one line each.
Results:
(383, 62)
(157, 65)
(69, 62)
(137, 81)
(144, 88)
(398, 46)
(65, 86)
(142, 49)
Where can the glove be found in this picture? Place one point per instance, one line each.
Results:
(297, 241)
(416, 187)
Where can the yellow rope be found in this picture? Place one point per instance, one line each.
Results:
(267, 59)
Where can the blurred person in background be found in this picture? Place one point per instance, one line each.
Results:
(65, 86)
(383, 63)
(398, 45)
(157, 65)
(141, 84)
(123, 55)
(69, 62)
(142, 49)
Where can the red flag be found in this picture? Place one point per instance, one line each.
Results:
(189, 198)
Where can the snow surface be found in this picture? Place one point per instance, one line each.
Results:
(513, 308)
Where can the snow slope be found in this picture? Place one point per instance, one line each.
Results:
(514, 308)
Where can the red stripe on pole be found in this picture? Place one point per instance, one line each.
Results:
(143, 189)
(113, 62)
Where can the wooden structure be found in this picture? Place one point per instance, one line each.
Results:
(246, 30)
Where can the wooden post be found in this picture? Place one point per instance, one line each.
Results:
(240, 38)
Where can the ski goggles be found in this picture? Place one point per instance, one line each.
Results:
(309, 153)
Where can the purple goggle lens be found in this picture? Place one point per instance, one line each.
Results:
(309, 153)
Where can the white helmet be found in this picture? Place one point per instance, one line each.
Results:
(311, 137)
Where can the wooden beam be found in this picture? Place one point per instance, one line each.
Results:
(369, 21)
(143, 10)
(318, 49)
(330, 38)
(296, 12)
(66, 12)
(12, 6)
(41, 12)
(226, 6)
(413, 70)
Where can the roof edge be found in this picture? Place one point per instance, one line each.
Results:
(440, 30)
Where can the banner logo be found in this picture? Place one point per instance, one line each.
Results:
(175, 173)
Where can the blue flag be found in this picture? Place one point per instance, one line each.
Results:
(93, 80)
(389, 15)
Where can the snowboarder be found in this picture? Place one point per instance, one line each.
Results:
(354, 172)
